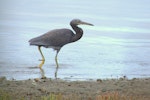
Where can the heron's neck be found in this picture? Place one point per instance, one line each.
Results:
(78, 31)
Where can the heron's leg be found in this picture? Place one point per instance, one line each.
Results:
(56, 58)
(42, 73)
(43, 59)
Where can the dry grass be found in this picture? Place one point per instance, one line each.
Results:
(117, 96)
(59, 96)
(103, 96)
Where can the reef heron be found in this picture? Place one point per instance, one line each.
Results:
(57, 38)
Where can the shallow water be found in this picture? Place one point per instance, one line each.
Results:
(118, 45)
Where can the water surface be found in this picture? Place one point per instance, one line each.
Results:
(118, 45)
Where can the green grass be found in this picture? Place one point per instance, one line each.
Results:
(8, 96)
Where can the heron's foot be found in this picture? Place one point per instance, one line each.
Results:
(41, 64)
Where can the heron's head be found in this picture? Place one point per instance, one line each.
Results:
(79, 22)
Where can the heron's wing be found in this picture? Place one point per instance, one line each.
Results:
(56, 38)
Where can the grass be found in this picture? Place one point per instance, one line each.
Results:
(9, 96)
(53, 97)
(117, 96)
(59, 96)
(104, 96)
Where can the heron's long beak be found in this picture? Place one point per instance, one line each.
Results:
(85, 23)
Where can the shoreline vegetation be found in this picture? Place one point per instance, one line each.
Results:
(57, 89)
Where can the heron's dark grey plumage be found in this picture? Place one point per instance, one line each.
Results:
(59, 37)
(54, 38)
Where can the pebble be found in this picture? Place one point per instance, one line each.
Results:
(99, 80)
(36, 79)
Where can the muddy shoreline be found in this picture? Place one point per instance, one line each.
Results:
(42, 87)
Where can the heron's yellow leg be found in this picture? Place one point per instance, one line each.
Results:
(42, 73)
(56, 58)
(43, 59)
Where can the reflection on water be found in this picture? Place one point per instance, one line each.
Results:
(117, 45)
(43, 73)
